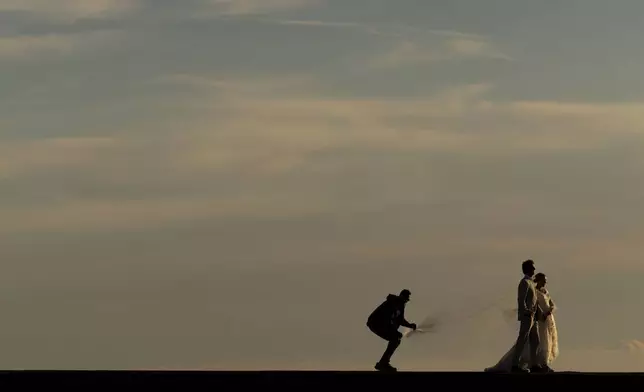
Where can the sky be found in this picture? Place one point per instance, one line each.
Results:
(236, 184)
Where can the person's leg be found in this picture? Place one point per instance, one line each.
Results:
(392, 337)
(522, 339)
(391, 349)
(535, 358)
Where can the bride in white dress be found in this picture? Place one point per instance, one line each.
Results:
(548, 339)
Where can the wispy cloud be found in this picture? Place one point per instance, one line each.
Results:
(27, 46)
(393, 30)
(411, 45)
(406, 53)
(257, 129)
(38, 155)
(48, 29)
(71, 9)
(232, 85)
(372, 29)
(417, 52)
(258, 7)
(470, 47)
(79, 216)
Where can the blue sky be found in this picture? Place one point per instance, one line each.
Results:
(236, 183)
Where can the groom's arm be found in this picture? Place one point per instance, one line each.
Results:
(522, 295)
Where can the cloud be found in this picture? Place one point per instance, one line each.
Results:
(37, 155)
(366, 28)
(80, 216)
(70, 10)
(258, 7)
(47, 29)
(384, 29)
(408, 52)
(629, 111)
(417, 121)
(27, 46)
(269, 147)
(469, 47)
(236, 85)
(411, 45)
(316, 23)
(93, 185)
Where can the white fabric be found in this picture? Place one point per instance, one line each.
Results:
(548, 337)
(549, 341)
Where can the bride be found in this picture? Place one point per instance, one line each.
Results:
(548, 340)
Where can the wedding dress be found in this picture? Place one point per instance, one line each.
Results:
(548, 339)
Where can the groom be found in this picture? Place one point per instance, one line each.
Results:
(527, 315)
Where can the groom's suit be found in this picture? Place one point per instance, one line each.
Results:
(528, 332)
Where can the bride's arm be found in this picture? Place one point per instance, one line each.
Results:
(550, 307)
(542, 302)
(553, 306)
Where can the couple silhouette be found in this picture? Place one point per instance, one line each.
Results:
(535, 348)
